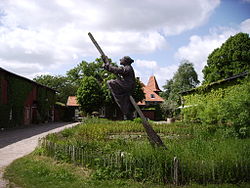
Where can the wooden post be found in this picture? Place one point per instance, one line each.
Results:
(176, 164)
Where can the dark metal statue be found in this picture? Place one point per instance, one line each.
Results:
(123, 87)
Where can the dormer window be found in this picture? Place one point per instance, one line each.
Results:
(152, 96)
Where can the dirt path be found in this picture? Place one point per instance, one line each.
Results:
(20, 142)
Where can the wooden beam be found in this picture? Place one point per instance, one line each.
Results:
(152, 135)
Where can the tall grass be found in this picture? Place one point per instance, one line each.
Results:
(196, 153)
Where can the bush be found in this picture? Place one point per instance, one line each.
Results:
(224, 106)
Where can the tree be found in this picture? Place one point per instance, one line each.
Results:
(84, 69)
(232, 58)
(61, 84)
(138, 93)
(90, 95)
(167, 89)
(184, 79)
(96, 70)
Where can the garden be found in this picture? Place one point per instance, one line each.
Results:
(119, 152)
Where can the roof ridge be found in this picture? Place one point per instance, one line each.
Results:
(152, 83)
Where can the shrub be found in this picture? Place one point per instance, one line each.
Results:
(227, 106)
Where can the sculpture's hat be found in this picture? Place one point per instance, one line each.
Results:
(128, 59)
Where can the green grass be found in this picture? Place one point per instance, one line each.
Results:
(118, 152)
(34, 171)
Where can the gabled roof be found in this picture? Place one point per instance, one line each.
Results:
(72, 101)
(152, 84)
(150, 92)
(26, 79)
(150, 96)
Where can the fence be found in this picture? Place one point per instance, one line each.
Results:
(160, 170)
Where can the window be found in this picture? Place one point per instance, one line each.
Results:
(152, 96)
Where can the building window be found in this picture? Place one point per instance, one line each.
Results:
(152, 96)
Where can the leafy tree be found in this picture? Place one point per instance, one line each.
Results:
(168, 108)
(60, 83)
(89, 94)
(167, 89)
(95, 69)
(184, 79)
(138, 94)
(84, 69)
(232, 58)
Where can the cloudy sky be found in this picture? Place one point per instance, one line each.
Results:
(50, 36)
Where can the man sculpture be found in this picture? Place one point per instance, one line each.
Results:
(123, 87)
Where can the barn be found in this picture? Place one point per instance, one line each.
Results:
(23, 101)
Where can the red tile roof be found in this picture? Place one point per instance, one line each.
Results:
(150, 94)
(72, 101)
(152, 84)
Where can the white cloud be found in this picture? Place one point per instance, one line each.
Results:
(146, 64)
(245, 26)
(200, 47)
(144, 69)
(52, 34)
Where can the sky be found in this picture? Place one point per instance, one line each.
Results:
(51, 36)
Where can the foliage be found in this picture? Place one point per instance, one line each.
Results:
(120, 150)
(138, 93)
(39, 171)
(90, 95)
(61, 84)
(95, 69)
(223, 105)
(86, 69)
(18, 91)
(184, 79)
(68, 85)
(45, 102)
(168, 108)
(230, 59)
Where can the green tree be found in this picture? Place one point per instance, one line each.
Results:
(95, 69)
(138, 93)
(232, 58)
(184, 79)
(85, 68)
(61, 84)
(90, 95)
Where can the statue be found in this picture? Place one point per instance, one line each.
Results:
(123, 87)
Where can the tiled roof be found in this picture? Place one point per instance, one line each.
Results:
(150, 94)
(152, 84)
(72, 101)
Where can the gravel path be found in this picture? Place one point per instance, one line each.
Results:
(20, 142)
